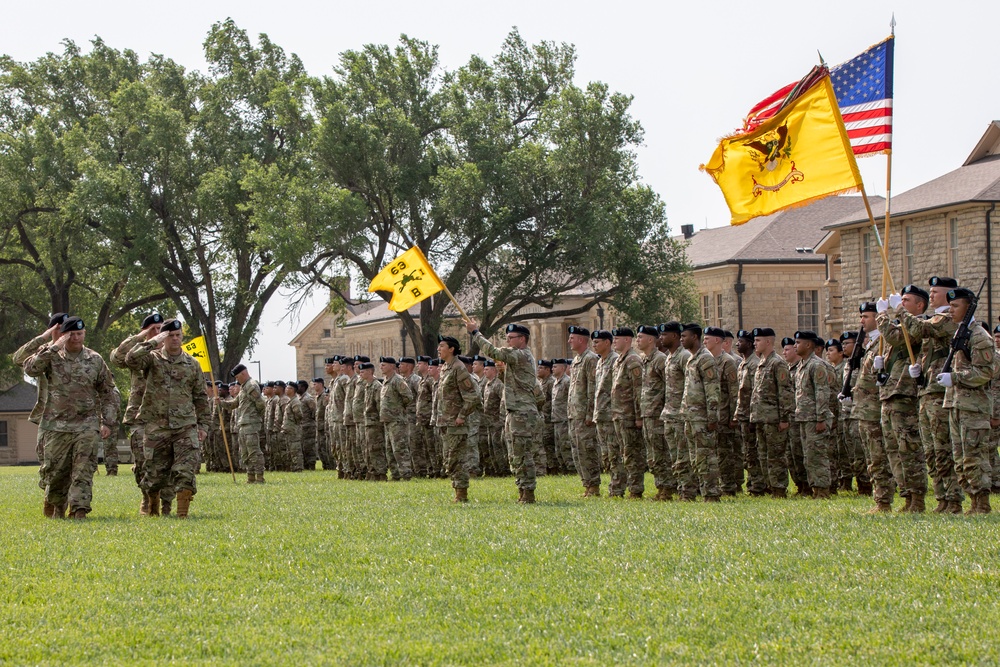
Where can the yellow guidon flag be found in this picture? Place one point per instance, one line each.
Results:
(798, 156)
(196, 348)
(410, 278)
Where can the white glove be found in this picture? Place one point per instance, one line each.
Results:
(881, 305)
(944, 379)
(915, 371)
(895, 300)
(846, 401)
(879, 362)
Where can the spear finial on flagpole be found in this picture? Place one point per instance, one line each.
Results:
(821, 61)
(892, 25)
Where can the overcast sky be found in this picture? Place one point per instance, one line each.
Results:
(694, 70)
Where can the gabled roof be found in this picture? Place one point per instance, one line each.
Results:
(978, 180)
(19, 398)
(775, 238)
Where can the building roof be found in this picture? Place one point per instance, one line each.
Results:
(777, 238)
(978, 180)
(19, 398)
(353, 311)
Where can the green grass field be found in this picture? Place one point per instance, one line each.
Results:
(311, 570)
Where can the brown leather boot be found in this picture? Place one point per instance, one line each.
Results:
(984, 503)
(251, 478)
(48, 509)
(917, 503)
(80, 514)
(822, 493)
(906, 506)
(183, 502)
(529, 497)
(954, 507)
(144, 505)
(260, 478)
(881, 508)
(165, 507)
(461, 495)
(60, 512)
(520, 495)
(942, 506)
(975, 504)
(154, 504)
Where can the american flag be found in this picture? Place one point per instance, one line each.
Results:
(863, 87)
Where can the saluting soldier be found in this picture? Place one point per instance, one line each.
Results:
(653, 391)
(900, 412)
(458, 400)
(521, 398)
(771, 408)
(81, 408)
(626, 411)
(603, 345)
(560, 415)
(967, 395)
(394, 400)
(746, 431)
(174, 412)
(702, 394)
(581, 409)
(730, 460)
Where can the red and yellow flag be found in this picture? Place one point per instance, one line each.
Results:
(410, 278)
(798, 156)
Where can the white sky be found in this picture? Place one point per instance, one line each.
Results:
(693, 68)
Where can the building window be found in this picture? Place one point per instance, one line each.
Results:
(3, 434)
(953, 248)
(718, 310)
(706, 309)
(866, 262)
(908, 254)
(808, 310)
(326, 333)
(319, 368)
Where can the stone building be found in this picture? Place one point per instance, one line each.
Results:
(765, 272)
(945, 227)
(17, 434)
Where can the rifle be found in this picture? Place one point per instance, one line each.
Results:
(960, 341)
(854, 363)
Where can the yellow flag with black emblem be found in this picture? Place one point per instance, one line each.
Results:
(197, 348)
(799, 155)
(410, 278)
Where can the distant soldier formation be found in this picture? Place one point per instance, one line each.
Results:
(911, 394)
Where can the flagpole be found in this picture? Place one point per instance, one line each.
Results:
(222, 427)
(455, 301)
(885, 268)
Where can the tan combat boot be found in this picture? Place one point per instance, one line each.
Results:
(154, 503)
(984, 503)
(260, 478)
(165, 507)
(48, 509)
(881, 508)
(942, 506)
(183, 502)
(528, 498)
(917, 503)
(144, 505)
(461, 495)
(975, 504)
(80, 514)
(906, 506)
(954, 507)
(251, 478)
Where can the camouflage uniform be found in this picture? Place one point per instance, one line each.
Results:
(657, 450)
(609, 449)
(438, 431)
(745, 372)
(308, 437)
(562, 444)
(360, 427)
(137, 386)
(934, 335)
(900, 412)
(673, 423)
(394, 400)
(520, 396)
(323, 450)
(839, 463)
(414, 439)
(248, 408)
(174, 408)
(492, 394)
(545, 445)
(426, 422)
(271, 432)
(867, 409)
(377, 464)
(812, 407)
(473, 423)
(771, 404)
(702, 395)
(857, 461)
(79, 398)
(341, 396)
(42, 383)
(580, 409)
(457, 398)
(727, 445)
(793, 454)
(971, 407)
(293, 425)
(626, 409)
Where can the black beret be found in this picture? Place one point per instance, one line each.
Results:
(806, 335)
(465, 359)
(269, 383)
(518, 329)
(833, 342)
(303, 383)
(649, 330)
(715, 331)
(787, 341)
(957, 293)
(292, 383)
(72, 324)
(57, 318)
(233, 384)
(728, 334)
(218, 383)
(867, 307)
(601, 334)
(546, 363)
(424, 358)
(670, 327)
(239, 369)
(366, 366)
(744, 334)
(917, 291)
(362, 358)
(171, 325)
(940, 281)
(996, 329)
(580, 331)
(434, 362)
(564, 362)
(849, 335)
(332, 360)
(387, 360)
(279, 384)
(153, 318)
(209, 383)
(452, 343)
(320, 380)
(489, 363)
(762, 332)
(692, 326)
(623, 331)
(478, 357)
(407, 360)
